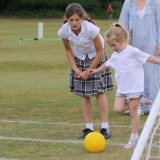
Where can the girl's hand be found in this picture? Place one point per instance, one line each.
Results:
(82, 75)
(85, 75)
(158, 49)
(78, 72)
(92, 71)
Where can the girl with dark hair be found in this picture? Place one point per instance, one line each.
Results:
(84, 47)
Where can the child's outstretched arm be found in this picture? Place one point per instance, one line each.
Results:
(153, 59)
(100, 69)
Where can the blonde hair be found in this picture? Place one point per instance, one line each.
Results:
(117, 33)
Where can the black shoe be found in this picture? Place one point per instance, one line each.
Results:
(105, 132)
(85, 132)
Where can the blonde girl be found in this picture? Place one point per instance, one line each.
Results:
(127, 62)
(141, 18)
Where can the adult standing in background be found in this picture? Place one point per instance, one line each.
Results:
(141, 18)
(110, 11)
(84, 47)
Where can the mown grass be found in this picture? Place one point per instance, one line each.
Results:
(34, 77)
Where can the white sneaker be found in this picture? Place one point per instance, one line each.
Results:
(140, 111)
(131, 144)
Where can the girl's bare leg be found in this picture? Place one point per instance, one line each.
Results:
(103, 106)
(120, 104)
(87, 113)
(86, 109)
(133, 110)
(135, 122)
(103, 109)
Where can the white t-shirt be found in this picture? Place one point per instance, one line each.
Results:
(83, 43)
(129, 72)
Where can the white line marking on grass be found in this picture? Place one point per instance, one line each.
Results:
(7, 159)
(45, 123)
(52, 141)
(40, 140)
(55, 123)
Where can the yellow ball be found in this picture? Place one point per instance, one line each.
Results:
(94, 142)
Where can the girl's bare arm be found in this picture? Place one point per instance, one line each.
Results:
(153, 59)
(70, 56)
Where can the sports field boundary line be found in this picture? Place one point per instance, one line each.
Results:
(29, 39)
(39, 140)
(56, 123)
(7, 159)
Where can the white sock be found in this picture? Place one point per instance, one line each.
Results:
(89, 125)
(134, 136)
(104, 125)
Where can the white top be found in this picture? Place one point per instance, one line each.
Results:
(83, 43)
(129, 72)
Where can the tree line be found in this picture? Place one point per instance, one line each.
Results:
(56, 8)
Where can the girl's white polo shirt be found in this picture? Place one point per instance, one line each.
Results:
(83, 43)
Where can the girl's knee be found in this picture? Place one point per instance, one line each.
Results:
(119, 104)
(118, 110)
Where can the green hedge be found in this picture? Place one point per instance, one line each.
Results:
(56, 8)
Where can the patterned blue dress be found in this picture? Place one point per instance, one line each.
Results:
(144, 34)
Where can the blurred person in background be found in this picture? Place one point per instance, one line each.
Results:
(141, 18)
(110, 11)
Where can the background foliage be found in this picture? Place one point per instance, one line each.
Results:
(56, 8)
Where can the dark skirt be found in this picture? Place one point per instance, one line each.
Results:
(97, 83)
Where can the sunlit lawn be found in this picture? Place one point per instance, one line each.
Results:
(34, 77)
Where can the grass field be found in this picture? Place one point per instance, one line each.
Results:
(39, 118)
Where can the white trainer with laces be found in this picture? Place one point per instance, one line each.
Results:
(131, 144)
